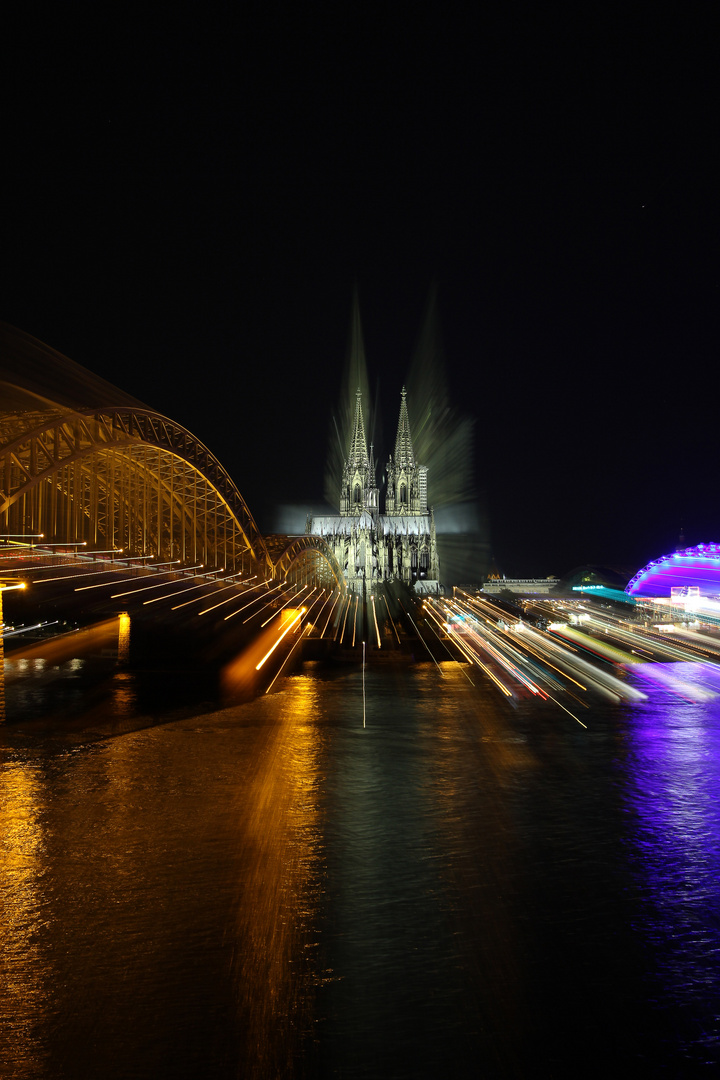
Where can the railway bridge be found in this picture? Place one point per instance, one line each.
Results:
(82, 463)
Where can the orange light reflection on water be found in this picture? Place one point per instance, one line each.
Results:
(277, 973)
(24, 966)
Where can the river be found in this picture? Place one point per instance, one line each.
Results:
(434, 883)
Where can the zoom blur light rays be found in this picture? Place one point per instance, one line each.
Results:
(290, 600)
(188, 589)
(293, 618)
(332, 609)
(681, 660)
(157, 585)
(374, 613)
(520, 658)
(229, 599)
(260, 585)
(355, 377)
(282, 585)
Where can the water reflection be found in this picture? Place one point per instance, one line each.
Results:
(271, 890)
(279, 888)
(419, 855)
(25, 970)
(477, 759)
(124, 694)
(123, 647)
(674, 789)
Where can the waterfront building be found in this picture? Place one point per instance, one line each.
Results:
(401, 543)
(520, 586)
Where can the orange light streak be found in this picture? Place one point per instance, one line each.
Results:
(253, 601)
(357, 600)
(146, 588)
(327, 623)
(179, 592)
(377, 631)
(391, 619)
(279, 671)
(289, 600)
(227, 600)
(342, 635)
(260, 610)
(286, 631)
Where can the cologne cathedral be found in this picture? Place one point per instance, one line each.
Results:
(397, 545)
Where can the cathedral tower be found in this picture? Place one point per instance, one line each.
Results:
(406, 480)
(372, 547)
(358, 491)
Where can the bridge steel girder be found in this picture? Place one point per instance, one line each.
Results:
(305, 557)
(126, 477)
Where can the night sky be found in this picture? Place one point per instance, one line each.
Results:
(190, 198)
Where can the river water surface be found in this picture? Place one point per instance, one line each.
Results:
(456, 887)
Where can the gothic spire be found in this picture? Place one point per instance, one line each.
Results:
(404, 455)
(358, 458)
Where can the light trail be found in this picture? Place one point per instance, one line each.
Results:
(290, 600)
(327, 600)
(195, 599)
(89, 573)
(315, 602)
(157, 585)
(342, 635)
(39, 550)
(631, 645)
(179, 592)
(422, 639)
(25, 629)
(286, 631)
(355, 612)
(259, 611)
(434, 619)
(253, 601)
(540, 662)
(391, 619)
(284, 663)
(104, 584)
(377, 631)
(338, 597)
(227, 600)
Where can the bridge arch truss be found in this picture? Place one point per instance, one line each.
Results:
(125, 478)
(305, 560)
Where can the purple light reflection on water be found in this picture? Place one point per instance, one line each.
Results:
(674, 792)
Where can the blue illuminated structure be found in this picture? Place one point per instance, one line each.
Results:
(695, 568)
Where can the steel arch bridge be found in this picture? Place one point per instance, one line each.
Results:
(294, 557)
(123, 476)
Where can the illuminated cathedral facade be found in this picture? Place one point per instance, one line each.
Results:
(399, 544)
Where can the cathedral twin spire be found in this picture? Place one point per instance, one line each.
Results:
(407, 482)
(404, 455)
(358, 447)
(359, 492)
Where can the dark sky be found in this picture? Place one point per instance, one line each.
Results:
(191, 196)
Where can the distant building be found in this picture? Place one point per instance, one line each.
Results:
(399, 544)
(520, 586)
